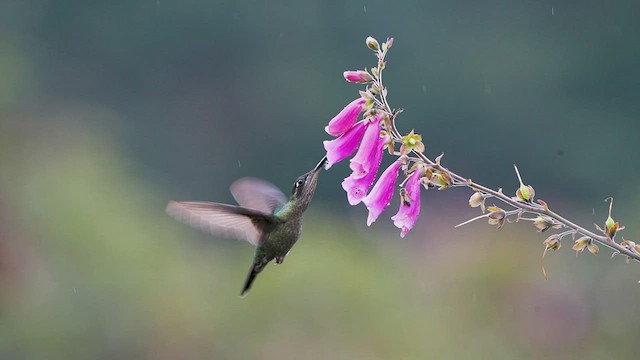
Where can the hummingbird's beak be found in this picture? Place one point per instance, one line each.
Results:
(320, 165)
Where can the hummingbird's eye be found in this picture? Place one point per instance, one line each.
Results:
(297, 185)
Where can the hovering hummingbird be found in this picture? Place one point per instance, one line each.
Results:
(264, 218)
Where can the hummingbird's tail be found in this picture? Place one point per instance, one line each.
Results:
(256, 268)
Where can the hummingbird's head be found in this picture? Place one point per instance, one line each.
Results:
(305, 185)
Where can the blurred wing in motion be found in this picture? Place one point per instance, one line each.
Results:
(257, 194)
(224, 220)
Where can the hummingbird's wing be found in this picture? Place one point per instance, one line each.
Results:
(257, 194)
(225, 220)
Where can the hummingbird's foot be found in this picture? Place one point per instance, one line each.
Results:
(279, 259)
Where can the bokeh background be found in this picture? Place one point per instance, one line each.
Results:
(110, 109)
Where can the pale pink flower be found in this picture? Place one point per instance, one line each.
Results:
(346, 118)
(406, 217)
(382, 192)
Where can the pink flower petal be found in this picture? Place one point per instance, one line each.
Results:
(382, 192)
(342, 147)
(357, 186)
(366, 157)
(345, 118)
(359, 76)
(406, 217)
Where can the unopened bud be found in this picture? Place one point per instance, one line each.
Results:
(611, 227)
(543, 223)
(358, 77)
(441, 179)
(477, 199)
(372, 44)
(524, 192)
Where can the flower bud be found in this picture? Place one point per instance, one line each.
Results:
(611, 227)
(376, 89)
(346, 118)
(386, 45)
(543, 223)
(441, 179)
(367, 95)
(372, 44)
(358, 77)
(525, 192)
(477, 199)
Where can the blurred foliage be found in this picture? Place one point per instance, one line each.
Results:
(110, 109)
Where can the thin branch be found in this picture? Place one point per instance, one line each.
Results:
(529, 207)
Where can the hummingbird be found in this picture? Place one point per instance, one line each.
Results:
(264, 217)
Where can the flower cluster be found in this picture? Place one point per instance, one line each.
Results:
(370, 136)
(367, 126)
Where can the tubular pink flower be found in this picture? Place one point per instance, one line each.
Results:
(366, 157)
(357, 186)
(359, 76)
(342, 147)
(406, 217)
(345, 119)
(382, 192)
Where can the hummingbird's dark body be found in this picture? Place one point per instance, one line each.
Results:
(264, 218)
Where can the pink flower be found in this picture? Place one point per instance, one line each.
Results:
(359, 77)
(345, 119)
(367, 154)
(356, 185)
(382, 192)
(406, 217)
(342, 147)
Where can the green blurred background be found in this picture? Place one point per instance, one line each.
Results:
(110, 109)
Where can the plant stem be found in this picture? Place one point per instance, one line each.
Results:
(523, 206)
